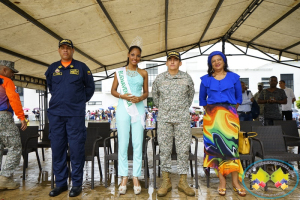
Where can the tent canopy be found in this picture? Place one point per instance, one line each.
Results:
(103, 30)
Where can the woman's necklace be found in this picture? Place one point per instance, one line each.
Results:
(131, 73)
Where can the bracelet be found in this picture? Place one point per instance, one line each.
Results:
(119, 96)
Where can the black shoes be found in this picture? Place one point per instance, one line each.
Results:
(75, 191)
(57, 191)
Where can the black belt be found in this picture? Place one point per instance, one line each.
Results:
(244, 112)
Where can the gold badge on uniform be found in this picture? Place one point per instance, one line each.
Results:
(71, 66)
(74, 71)
(57, 74)
(89, 73)
(59, 67)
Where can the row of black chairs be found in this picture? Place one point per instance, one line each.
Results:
(97, 132)
(29, 141)
(270, 143)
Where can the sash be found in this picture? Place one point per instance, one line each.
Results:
(130, 107)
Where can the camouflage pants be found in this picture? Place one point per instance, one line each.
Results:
(10, 139)
(183, 138)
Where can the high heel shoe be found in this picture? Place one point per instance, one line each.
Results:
(123, 188)
(241, 192)
(137, 189)
(222, 191)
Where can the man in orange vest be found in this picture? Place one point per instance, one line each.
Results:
(9, 132)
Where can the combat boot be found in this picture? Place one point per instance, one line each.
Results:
(8, 183)
(183, 186)
(166, 185)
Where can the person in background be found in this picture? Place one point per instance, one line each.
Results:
(153, 117)
(272, 98)
(9, 133)
(260, 87)
(109, 116)
(287, 108)
(244, 110)
(200, 118)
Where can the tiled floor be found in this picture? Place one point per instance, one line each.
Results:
(34, 188)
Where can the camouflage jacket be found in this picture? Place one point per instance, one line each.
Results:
(173, 95)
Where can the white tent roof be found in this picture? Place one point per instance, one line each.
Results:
(102, 30)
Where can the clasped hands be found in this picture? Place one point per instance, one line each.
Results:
(272, 101)
(130, 97)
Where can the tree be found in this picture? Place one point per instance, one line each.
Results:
(298, 103)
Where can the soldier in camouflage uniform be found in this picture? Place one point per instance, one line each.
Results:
(173, 92)
(9, 132)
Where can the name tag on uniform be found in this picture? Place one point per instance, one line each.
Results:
(74, 71)
(57, 74)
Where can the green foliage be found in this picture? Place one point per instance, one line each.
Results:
(298, 103)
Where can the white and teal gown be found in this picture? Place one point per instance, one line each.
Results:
(135, 82)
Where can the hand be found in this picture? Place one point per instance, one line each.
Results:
(127, 96)
(272, 101)
(23, 125)
(136, 99)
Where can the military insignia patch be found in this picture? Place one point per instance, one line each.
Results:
(57, 70)
(74, 71)
(57, 74)
(89, 73)
(71, 66)
(60, 67)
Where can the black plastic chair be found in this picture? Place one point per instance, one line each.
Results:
(29, 140)
(45, 143)
(271, 145)
(246, 126)
(290, 128)
(114, 156)
(92, 149)
(192, 156)
(104, 132)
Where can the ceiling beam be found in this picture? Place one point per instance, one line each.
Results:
(247, 12)
(276, 22)
(293, 45)
(211, 20)
(43, 27)
(166, 24)
(259, 45)
(112, 22)
(23, 57)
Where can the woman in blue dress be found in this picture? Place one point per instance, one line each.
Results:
(137, 84)
(220, 95)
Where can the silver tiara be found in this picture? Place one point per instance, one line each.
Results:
(137, 41)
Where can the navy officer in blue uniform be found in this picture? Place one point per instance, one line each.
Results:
(71, 85)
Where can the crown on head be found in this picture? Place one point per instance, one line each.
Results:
(137, 41)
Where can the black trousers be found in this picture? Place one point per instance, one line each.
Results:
(288, 115)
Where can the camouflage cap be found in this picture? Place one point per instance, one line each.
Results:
(9, 64)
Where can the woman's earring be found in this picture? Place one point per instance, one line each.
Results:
(212, 71)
